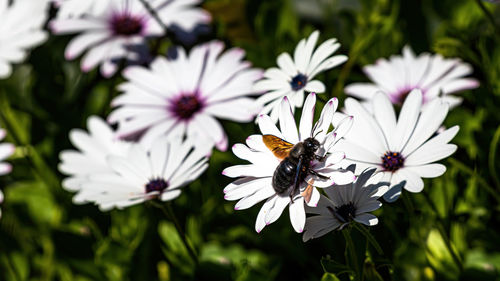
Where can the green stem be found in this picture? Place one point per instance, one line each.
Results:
(442, 231)
(461, 166)
(491, 157)
(350, 253)
(369, 237)
(169, 213)
(38, 164)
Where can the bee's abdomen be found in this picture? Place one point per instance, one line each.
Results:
(284, 176)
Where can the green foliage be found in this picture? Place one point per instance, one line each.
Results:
(448, 232)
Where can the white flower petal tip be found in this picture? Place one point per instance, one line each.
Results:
(22, 30)
(434, 75)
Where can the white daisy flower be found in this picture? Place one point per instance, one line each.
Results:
(255, 181)
(184, 96)
(145, 174)
(432, 74)
(21, 29)
(344, 204)
(293, 77)
(93, 149)
(6, 150)
(404, 149)
(119, 31)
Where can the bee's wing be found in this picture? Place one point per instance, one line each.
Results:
(278, 146)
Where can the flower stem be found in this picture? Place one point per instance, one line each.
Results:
(169, 213)
(442, 231)
(350, 254)
(153, 13)
(491, 157)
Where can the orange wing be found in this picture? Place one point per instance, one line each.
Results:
(307, 193)
(278, 146)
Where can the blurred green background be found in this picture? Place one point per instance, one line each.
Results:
(43, 236)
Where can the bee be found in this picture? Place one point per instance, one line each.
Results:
(295, 164)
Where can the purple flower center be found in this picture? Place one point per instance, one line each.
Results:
(392, 161)
(298, 82)
(156, 185)
(186, 106)
(344, 213)
(126, 24)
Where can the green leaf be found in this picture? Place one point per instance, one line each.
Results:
(329, 277)
(439, 256)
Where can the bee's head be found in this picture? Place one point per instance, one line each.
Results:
(311, 144)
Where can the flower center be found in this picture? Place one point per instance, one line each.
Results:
(126, 24)
(344, 213)
(392, 161)
(156, 185)
(298, 82)
(186, 106)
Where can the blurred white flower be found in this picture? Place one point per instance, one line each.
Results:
(398, 76)
(111, 173)
(6, 150)
(145, 174)
(93, 149)
(184, 96)
(345, 203)
(404, 149)
(293, 77)
(255, 179)
(21, 28)
(120, 29)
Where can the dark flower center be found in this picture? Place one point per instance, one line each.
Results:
(186, 106)
(344, 213)
(401, 97)
(156, 185)
(298, 82)
(126, 25)
(392, 161)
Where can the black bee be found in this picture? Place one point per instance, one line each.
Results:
(295, 164)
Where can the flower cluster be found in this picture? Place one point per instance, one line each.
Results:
(166, 119)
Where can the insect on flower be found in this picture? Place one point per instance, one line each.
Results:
(295, 163)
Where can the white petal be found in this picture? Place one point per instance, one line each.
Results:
(287, 122)
(306, 119)
(315, 86)
(298, 215)
(428, 171)
(407, 120)
(367, 219)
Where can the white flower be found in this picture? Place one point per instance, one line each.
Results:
(145, 174)
(403, 150)
(345, 203)
(293, 77)
(184, 96)
(90, 158)
(6, 150)
(21, 28)
(398, 76)
(120, 30)
(255, 182)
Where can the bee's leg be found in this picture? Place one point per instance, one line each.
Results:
(313, 172)
(296, 182)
